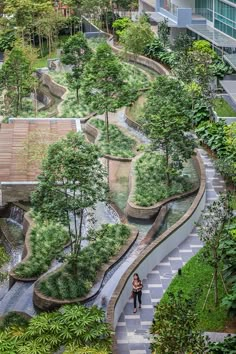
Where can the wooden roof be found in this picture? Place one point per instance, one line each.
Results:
(23, 142)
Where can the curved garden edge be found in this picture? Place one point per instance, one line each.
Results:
(131, 123)
(159, 248)
(139, 59)
(91, 130)
(140, 212)
(48, 303)
(28, 224)
(55, 88)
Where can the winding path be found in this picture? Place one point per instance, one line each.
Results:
(132, 331)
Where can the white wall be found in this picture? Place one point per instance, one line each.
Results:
(156, 256)
(184, 3)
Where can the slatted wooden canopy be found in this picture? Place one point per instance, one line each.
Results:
(21, 142)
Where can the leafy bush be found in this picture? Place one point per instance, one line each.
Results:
(76, 328)
(157, 52)
(120, 144)
(151, 185)
(13, 319)
(226, 347)
(47, 240)
(75, 280)
(213, 135)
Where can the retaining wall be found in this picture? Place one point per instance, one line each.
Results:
(140, 212)
(157, 250)
(46, 303)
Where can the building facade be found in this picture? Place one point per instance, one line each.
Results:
(213, 20)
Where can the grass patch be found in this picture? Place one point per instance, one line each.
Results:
(223, 108)
(197, 275)
(135, 111)
(47, 240)
(67, 283)
(151, 186)
(43, 62)
(13, 319)
(120, 144)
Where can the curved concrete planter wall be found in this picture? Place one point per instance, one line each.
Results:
(46, 303)
(140, 59)
(157, 250)
(55, 89)
(28, 224)
(95, 133)
(140, 212)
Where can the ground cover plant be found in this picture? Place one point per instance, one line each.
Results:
(120, 144)
(73, 329)
(47, 240)
(196, 277)
(73, 281)
(223, 108)
(3, 256)
(151, 185)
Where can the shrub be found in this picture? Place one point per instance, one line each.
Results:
(47, 240)
(75, 280)
(120, 144)
(151, 185)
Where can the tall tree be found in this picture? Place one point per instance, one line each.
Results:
(166, 121)
(16, 80)
(72, 179)
(211, 228)
(137, 36)
(104, 85)
(175, 327)
(76, 53)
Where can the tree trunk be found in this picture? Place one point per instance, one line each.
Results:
(216, 285)
(107, 126)
(77, 94)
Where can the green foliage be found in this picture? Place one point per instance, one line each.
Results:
(151, 185)
(74, 327)
(13, 319)
(47, 241)
(4, 257)
(213, 135)
(136, 37)
(175, 327)
(226, 347)
(222, 108)
(203, 46)
(67, 283)
(120, 25)
(120, 144)
(166, 121)
(76, 53)
(72, 179)
(163, 32)
(156, 51)
(16, 79)
(195, 279)
(7, 39)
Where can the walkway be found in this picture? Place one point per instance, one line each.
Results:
(132, 331)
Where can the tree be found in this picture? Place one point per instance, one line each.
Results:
(166, 122)
(175, 327)
(163, 32)
(137, 36)
(103, 85)
(76, 53)
(211, 228)
(120, 25)
(16, 80)
(72, 180)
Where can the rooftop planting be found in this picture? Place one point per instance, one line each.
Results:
(120, 145)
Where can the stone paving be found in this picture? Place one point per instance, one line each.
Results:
(132, 331)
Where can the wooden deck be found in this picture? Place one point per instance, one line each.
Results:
(22, 143)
